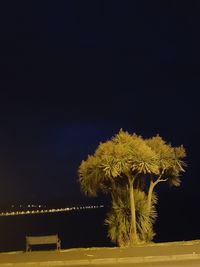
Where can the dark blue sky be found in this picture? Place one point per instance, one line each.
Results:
(74, 72)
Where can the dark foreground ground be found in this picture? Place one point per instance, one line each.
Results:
(163, 254)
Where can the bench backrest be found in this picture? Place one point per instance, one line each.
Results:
(39, 240)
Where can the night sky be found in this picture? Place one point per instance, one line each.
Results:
(72, 73)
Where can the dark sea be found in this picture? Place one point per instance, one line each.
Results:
(86, 228)
(82, 228)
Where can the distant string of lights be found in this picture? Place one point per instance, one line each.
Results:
(28, 212)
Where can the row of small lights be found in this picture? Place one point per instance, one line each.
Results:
(29, 206)
(12, 213)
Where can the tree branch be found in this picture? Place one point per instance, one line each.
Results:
(163, 180)
(159, 179)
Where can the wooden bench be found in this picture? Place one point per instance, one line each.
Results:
(42, 240)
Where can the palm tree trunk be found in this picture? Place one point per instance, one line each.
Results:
(133, 231)
(151, 188)
(149, 197)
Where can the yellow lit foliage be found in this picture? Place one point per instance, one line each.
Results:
(128, 161)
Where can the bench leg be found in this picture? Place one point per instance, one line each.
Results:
(58, 245)
(28, 247)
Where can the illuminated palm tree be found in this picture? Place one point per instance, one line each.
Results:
(119, 161)
(129, 167)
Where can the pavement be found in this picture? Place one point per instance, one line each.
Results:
(182, 253)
